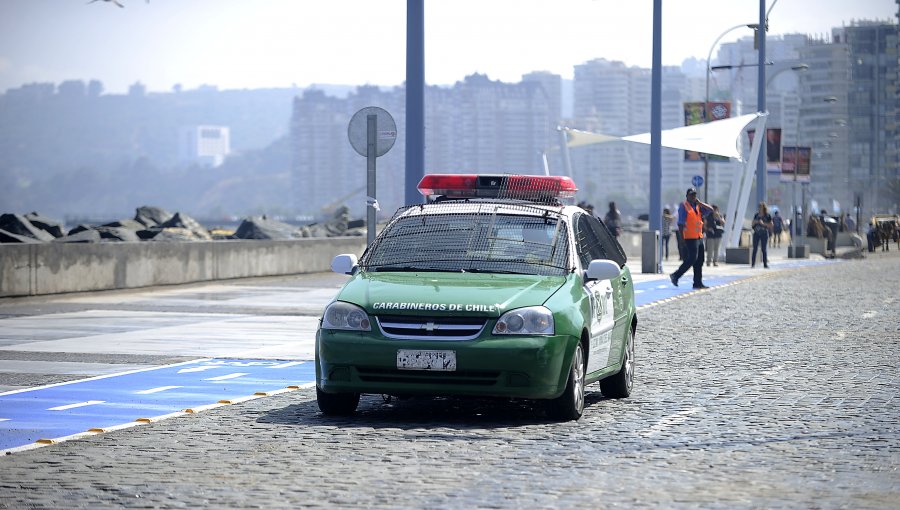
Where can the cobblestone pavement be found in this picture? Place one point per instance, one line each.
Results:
(780, 392)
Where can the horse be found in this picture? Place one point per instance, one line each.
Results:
(886, 231)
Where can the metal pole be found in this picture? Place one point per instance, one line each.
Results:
(795, 224)
(371, 156)
(415, 98)
(761, 103)
(656, 131)
(804, 209)
(705, 120)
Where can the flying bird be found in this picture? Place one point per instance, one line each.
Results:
(113, 1)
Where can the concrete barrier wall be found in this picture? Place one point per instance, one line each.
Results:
(56, 268)
(53, 268)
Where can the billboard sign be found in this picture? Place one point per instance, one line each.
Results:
(804, 163)
(795, 164)
(773, 149)
(696, 113)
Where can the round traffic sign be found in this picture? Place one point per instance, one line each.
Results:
(697, 180)
(385, 131)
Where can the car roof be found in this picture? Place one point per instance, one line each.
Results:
(487, 206)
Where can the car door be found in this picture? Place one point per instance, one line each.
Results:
(622, 287)
(600, 293)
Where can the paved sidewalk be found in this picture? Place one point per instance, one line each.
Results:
(778, 259)
(781, 392)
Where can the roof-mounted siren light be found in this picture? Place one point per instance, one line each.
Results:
(520, 187)
(451, 185)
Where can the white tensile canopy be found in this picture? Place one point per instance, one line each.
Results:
(719, 137)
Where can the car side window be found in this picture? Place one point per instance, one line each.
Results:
(595, 242)
(588, 245)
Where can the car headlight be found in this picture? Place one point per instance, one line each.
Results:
(341, 315)
(533, 320)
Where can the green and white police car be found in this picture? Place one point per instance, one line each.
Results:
(494, 288)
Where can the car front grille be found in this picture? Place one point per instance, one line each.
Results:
(431, 328)
(463, 378)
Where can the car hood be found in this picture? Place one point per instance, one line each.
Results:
(428, 293)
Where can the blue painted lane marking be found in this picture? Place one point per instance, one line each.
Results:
(651, 291)
(26, 415)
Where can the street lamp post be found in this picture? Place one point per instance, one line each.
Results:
(795, 223)
(753, 26)
(761, 97)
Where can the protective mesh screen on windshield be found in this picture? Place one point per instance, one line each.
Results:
(472, 237)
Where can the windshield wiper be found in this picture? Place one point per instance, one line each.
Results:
(495, 271)
(397, 269)
(402, 269)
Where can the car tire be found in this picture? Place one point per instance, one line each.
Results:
(570, 405)
(620, 384)
(337, 404)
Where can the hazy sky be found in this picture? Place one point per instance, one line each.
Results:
(278, 43)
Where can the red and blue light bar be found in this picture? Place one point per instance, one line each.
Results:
(520, 187)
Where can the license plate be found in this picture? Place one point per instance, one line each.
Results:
(444, 361)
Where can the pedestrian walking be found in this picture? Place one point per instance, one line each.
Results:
(715, 227)
(777, 229)
(613, 220)
(667, 219)
(762, 225)
(850, 223)
(690, 225)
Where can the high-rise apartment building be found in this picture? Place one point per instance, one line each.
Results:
(822, 121)
(552, 85)
(871, 130)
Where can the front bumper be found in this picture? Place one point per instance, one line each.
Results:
(493, 366)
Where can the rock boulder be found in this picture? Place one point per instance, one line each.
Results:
(129, 224)
(183, 221)
(259, 227)
(19, 225)
(53, 227)
(9, 237)
(171, 234)
(84, 236)
(151, 216)
(117, 234)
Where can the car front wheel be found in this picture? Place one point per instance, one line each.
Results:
(570, 405)
(337, 404)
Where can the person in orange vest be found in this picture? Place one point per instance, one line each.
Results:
(690, 223)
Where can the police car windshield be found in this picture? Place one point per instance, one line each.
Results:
(472, 241)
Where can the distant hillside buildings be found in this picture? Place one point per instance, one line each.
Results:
(286, 150)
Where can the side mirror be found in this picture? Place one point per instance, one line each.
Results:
(602, 269)
(344, 263)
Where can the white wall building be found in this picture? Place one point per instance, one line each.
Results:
(204, 145)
